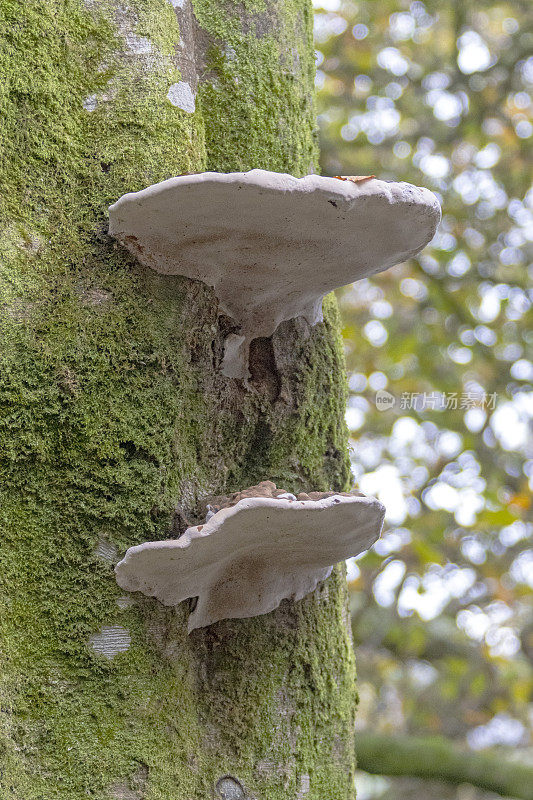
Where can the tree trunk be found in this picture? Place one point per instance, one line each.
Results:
(115, 414)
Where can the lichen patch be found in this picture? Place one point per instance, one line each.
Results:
(90, 103)
(181, 95)
(138, 44)
(106, 550)
(305, 785)
(110, 640)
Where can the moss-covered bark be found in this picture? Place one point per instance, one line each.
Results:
(114, 413)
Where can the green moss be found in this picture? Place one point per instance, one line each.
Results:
(315, 447)
(298, 718)
(113, 413)
(258, 104)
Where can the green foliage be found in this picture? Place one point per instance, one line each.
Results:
(440, 94)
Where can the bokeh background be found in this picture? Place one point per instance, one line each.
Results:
(440, 94)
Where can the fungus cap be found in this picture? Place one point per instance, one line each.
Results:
(252, 555)
(272, 245)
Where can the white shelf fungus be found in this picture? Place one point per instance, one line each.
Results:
(256, 550)
(272, 245)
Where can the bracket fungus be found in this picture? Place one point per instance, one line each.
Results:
(258, 548)
(272, 245)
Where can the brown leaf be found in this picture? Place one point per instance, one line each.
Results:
(354, 178)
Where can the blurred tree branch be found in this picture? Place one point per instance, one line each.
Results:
(438, 759)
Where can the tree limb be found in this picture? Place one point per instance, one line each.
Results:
(435, 758)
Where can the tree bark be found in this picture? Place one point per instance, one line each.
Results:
(115, 414)
(439, 760)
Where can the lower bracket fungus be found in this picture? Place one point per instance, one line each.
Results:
(257, 548)
(272, 245)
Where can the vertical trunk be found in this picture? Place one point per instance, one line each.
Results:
(115, 413)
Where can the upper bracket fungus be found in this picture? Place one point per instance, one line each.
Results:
(272, 245)
(258, 547)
